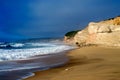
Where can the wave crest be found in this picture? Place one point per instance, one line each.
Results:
(23, 51)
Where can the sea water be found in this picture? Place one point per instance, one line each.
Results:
(19, 59)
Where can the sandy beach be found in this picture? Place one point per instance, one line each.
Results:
(88, 63)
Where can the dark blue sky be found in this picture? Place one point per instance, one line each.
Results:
(22, 19)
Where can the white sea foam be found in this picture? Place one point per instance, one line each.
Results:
(16, 54)
(41, 44)
(17, 45)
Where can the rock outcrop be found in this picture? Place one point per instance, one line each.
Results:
(81, 37)
(100, 33)
(69, 37)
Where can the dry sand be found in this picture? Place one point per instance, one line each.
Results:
(89, 63)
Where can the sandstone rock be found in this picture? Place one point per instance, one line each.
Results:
(105, 32)
(98, 28)
(81, 37)
(92, 28)
(110, 39)
(100, 33)
(68, 40)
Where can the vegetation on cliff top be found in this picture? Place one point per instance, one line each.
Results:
(71, 34)
(112, 18)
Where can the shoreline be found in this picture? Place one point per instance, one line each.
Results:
(22, 69)
(88, 63)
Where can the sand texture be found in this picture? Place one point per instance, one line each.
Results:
(89, 63)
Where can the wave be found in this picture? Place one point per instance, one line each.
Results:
(30, 43)
(24, 57)
(15, 54)
(11, 45)
(18, 51)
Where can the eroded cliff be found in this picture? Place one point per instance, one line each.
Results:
(99, 33)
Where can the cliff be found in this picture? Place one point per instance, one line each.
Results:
(69, 37)
(99, 33)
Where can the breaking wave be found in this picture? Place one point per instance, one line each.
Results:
(26, 50)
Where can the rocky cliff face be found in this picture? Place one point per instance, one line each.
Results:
(100, 33)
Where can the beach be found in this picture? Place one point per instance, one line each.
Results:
(88, 63)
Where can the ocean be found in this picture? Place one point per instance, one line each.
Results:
(18, 60)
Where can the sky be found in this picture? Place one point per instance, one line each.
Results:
(24, 19)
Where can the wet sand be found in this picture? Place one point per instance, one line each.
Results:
(89, 63)
(20, 69)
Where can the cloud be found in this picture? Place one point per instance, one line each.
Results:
(46, 18)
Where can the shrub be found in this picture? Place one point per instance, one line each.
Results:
(71, 34)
